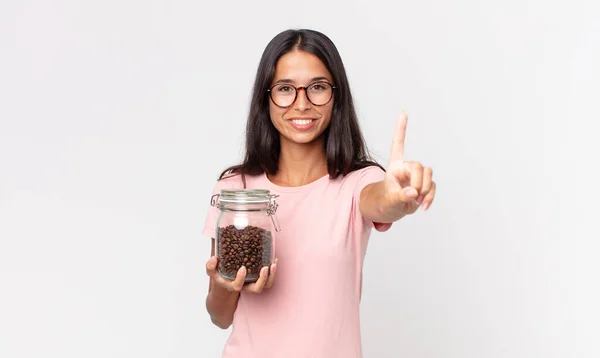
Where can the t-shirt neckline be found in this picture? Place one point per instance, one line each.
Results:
(293, 189)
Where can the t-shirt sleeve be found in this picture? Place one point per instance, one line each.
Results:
(213, 212)
(366, 176)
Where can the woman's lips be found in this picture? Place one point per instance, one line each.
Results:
(302, 124)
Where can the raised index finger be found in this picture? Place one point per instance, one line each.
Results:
(398, 140)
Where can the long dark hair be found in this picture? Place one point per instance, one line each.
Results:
(344, 144)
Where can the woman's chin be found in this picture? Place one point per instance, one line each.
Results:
(302, 138)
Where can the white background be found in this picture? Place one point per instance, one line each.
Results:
(116, 118)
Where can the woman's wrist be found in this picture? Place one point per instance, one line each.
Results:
(220, 293)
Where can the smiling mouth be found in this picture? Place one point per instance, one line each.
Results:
(302, 122)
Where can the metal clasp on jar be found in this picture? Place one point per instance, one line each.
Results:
(271, 209)
(214, 199)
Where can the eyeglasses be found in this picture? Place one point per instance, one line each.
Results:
(318, 93)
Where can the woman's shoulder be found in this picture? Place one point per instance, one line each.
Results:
(235, 181)
(357, 179)
(367, 170)
(228, 178)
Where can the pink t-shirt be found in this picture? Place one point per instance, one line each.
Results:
(312, 310)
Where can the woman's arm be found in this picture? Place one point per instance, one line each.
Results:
(406, 185)
(374, 207)
(221, 303)
(223, 295)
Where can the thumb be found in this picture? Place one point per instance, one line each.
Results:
(401, 195)
(211, 266)
(409, 193)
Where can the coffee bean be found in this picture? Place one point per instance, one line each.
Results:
(250, 247)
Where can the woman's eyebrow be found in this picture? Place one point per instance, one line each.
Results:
(287, 80)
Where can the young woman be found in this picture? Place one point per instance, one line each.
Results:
(303, 143)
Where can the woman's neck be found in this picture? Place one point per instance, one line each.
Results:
(300, 164)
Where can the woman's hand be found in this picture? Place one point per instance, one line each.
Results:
(407, 185)
(265, 279)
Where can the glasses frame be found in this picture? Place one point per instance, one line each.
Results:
(297, 89)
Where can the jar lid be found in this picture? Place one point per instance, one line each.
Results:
(245, 196)
(248, 196)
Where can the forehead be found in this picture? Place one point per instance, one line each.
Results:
(300, 67)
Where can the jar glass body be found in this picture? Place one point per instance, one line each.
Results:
(244, 237)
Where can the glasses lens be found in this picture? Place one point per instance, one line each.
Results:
(319, 93)
(283, 95)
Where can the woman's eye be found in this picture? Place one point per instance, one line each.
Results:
(284, 89)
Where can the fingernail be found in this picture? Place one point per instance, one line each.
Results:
(420, 199)
(425, 206)
(410, 192)
(242, 270)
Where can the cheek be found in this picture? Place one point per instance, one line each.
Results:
(273, 117)
(327, 113)
(276, 114)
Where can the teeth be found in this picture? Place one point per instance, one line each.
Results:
(302, 122)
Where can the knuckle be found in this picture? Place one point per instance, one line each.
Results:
(427, 184)
(417, 165)
(236, 286)
(430, 191)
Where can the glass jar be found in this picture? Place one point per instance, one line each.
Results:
(244, 231)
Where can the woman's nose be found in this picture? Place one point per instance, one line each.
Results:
(302, 103)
